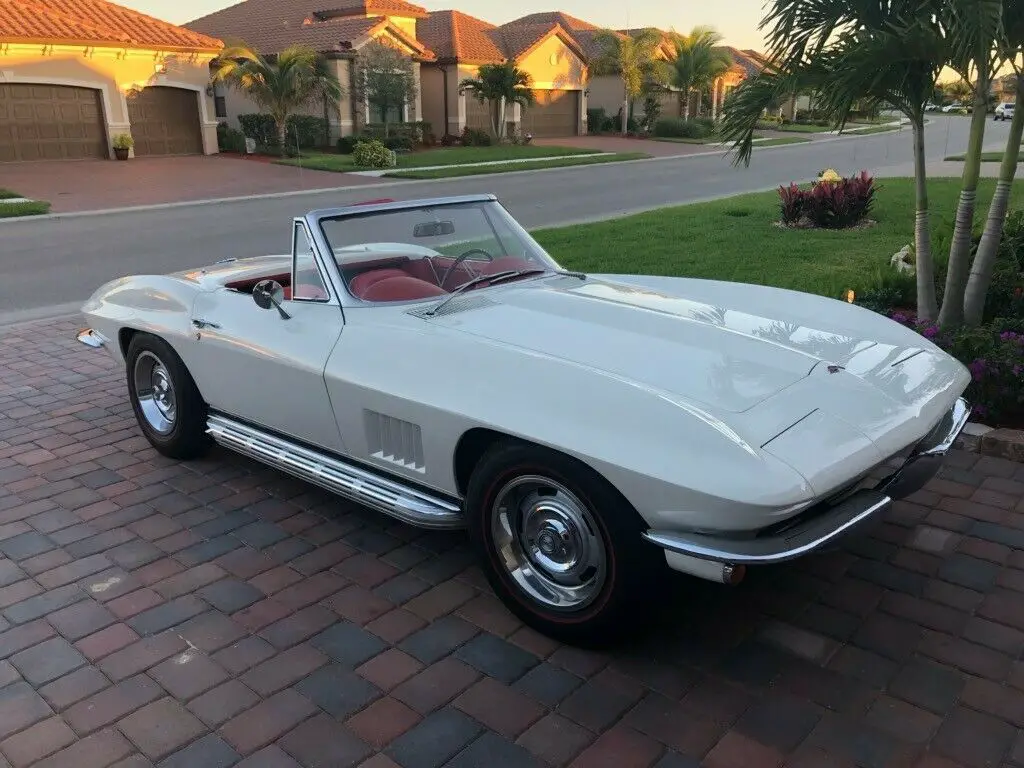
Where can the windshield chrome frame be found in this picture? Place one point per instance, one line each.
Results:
(322, 247)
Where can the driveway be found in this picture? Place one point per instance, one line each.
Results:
(89, 185)
(217, 614)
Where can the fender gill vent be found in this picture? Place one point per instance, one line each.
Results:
(460, 304)
(395, 441)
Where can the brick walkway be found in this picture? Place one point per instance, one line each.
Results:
(217, 614)
(92, 185)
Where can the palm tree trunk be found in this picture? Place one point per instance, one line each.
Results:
(927, 306)
(700, 102)
(282, 133)
(686, 104)
(984, 261)
(952, 312)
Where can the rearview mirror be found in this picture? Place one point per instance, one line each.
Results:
(433, 229)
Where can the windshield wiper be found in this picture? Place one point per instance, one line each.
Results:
(496, 278)
(470, 283)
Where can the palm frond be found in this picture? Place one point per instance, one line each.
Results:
(748, 102)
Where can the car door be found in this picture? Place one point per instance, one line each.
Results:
(267, 366)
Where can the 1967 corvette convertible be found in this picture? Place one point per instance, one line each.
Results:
(430, 360)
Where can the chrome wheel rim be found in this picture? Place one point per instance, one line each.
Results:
(154, 392)
(549, 543)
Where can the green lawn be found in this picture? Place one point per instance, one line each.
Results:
(12, 210)
(735, 239)
(442, 156)
(873, 129)
(793, 128)
(988, 157)
(705, 140)
(479, 170)
(781, 140)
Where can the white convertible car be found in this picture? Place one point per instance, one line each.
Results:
(430, 360)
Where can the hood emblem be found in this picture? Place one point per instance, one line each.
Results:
(835, 368)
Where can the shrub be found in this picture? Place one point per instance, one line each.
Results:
(597, 117)
(994, 354)
(230, 139)
(415, 133)
(306, 130)
(828, 204)
(347, 144)
(450, 140)
(652, 112)
(399, 143)
(792, 203)
(473, 137)
(371, 153)
(677, 128)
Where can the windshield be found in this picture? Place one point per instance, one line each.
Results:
(423, 253)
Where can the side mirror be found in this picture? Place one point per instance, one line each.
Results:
(269, 293)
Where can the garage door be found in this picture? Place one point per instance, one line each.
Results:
(553, 113)
(165, 121)
(478, 114)
(50, 122)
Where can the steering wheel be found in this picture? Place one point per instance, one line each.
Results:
(461, 259)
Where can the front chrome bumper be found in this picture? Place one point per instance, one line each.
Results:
(821, 526)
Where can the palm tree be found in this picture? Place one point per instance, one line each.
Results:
(699, 62)
(500, 85)
(279, 84)
(835, 52)
(980, 278)
(635, 59)
(975, 28)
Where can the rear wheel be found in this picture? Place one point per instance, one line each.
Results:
(167, 404)
(560, 546)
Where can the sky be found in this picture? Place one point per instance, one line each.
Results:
(736, 20)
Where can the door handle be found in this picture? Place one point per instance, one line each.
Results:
(200, 323)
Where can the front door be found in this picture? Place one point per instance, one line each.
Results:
(254, 364)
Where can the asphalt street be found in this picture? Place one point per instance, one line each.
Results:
(48, 267)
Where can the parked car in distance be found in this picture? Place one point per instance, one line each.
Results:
(430, 360)
(1004, 111)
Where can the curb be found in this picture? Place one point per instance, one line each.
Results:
(986, 441)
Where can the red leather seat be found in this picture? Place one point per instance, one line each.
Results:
(403, 288)
(359, 284)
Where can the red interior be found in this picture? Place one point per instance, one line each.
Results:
(392, 278)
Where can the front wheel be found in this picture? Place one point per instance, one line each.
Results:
(167, 404)
(560, 546)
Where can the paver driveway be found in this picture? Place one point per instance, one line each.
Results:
(218, 613)
(92, 185)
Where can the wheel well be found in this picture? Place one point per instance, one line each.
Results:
(124, 338)
(471, 447)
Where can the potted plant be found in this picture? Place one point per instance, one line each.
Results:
(122, 143)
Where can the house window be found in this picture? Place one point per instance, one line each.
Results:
(220, 106)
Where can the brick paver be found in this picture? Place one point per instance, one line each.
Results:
(90, 185)
(218, 613)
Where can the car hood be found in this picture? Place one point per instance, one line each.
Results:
(725, 347)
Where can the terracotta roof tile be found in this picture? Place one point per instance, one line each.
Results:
(376, 8)
(456, 36)
(94, 21)
(271, 26)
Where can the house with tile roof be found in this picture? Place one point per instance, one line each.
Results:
(554, 59)
(76, 73)
(337, 29)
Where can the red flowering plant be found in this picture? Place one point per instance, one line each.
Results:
(831, 202)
